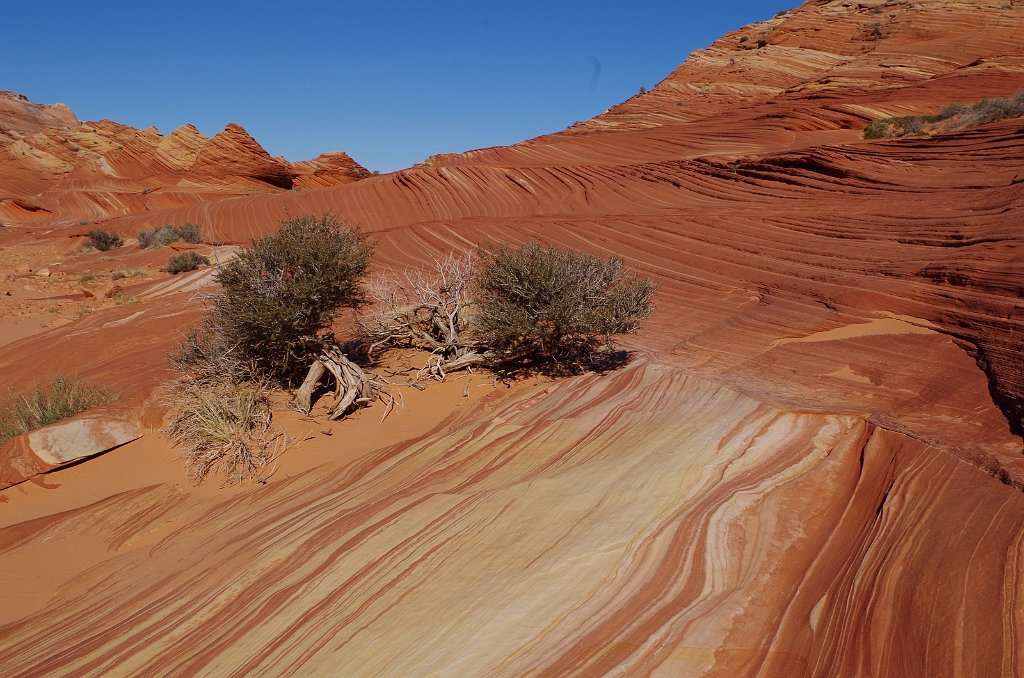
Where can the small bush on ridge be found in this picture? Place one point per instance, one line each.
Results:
(165, 235)
(63, 397)
(104, 240)
(954, 116)
(185, 262)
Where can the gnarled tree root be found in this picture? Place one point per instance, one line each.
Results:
(352, 387)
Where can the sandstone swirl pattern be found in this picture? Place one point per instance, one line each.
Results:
(811, 467)
(733, 537)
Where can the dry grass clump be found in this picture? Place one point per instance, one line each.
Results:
(952, 117)
(222, 426)
(122, 273)
(62, 397)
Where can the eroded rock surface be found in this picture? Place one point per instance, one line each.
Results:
(55, 169)
(60, 444)
(809, 468)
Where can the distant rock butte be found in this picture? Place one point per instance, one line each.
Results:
(55, 169)
(811, 467)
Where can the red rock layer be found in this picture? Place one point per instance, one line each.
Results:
(54, 169)
(645, 521)
(808, 469)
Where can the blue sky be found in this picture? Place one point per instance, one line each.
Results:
(389, 83)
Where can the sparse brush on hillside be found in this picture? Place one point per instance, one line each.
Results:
(165, 235)
(952, 117)
(529, 308)
(512, 309)
(104, 240)
(269, 322)
(62, 397)
(185, 262)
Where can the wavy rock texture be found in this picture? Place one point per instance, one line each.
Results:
(809, 468)
(643, 521)
(55, 169)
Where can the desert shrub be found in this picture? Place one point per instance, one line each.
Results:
(953, 116)
(165, 235)
(279, 297)
(990, 110)
(952, 110)
(550, 308)
(222, 426)
(104, 240)
(908, 125)
(63, 397)
(418, 308)
(186, 261)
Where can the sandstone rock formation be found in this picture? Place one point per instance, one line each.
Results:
(60, 444)
(55, 169)
(812, 466)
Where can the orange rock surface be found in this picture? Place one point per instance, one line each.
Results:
(812, 465)
(55, 169)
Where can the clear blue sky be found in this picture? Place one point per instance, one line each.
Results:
(388, 82)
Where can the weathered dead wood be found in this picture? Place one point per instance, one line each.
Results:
(421, 309)
(440, 365)
(353, 388)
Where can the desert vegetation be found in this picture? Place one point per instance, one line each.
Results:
(268, 323)
(512, 310)
(62, 397)
(185, 262)
(104, 240)
(223, 426)
(952, 117)
(165, 235)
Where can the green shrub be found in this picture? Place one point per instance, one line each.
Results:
(104, 240)
(279, 297)
(550, 308)
(887, 128)
(61, 398)
(186, 261)
(165, 235)
(954, 116)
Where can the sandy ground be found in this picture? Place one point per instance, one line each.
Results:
(152, 461)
